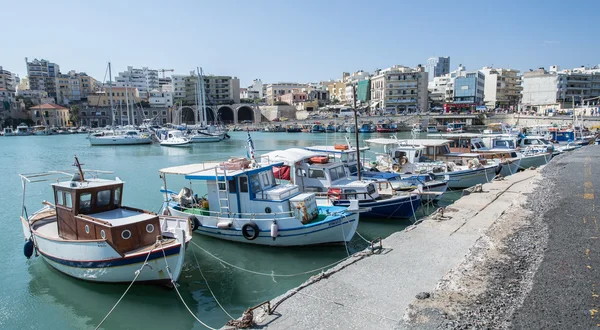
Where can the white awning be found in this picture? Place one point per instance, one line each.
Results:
(189, 169)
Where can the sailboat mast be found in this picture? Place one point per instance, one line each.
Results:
(127, 103)
(110, 95)
(201, 77)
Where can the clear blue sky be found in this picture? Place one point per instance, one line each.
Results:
(300, 41)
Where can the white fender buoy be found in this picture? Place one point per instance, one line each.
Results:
(274, 230)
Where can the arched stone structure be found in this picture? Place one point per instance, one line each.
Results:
(245, 112)
(226, 115)
(187, 115)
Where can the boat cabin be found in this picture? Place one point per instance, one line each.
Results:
(235, 189)
(92, 210)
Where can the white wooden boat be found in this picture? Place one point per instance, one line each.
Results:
(175, 138)
(8, 131)
(87, 233)
(245, 204)
(23, 130)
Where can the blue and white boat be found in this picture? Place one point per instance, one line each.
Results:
(313, 172)
(367, 128)
(245, 204)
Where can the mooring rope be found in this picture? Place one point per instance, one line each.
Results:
(137, 274)
(208, 286)
(272, 274)
(177, 290)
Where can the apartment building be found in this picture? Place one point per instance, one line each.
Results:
(120, 95)
(42, 75)
(143, 79)
(351, 85)
(469, 87)
(441, 90)
(179, 91)
(399, 88)
(502, 88)
(217, 89)
(161, 99)
(554, 89)
(337, 91)
(7, 80)
(273, 91)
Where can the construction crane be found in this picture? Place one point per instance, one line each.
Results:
(165, 70)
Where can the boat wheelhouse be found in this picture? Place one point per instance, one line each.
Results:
(245, 203)
(88, 234)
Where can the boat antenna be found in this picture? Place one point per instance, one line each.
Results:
(356, 130)
(81, 177)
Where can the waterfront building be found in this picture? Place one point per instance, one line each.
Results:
(337, 91)
(7, 80)
(554, 89)
(469, 87)
(42, 75)
(144, 80)
(160, 99)
(441, 91)
(179, 91)
(351, 84)
(437, 67)
(247, 93)
(273, 91)
(50, 114)
(502, 88)
(256, 89)
(399, 89)
(293, 98)
(120, 95)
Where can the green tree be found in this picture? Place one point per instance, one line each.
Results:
(74, 115)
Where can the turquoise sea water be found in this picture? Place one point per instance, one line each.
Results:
(35, 296)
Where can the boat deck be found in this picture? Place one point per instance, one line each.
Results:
(47, 227)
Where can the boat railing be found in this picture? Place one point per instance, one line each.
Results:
(217, 214)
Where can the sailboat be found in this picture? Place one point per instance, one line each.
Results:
(118, 137)
(206, 133)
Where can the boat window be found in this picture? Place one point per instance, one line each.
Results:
(350, 193)
(430, 151)
(68, 200)
(316, 174)
(255, 183)
(232, 186)
(353, 169)
(265, 179)
(371, 189)
(501, 144)
(118, 196)
(444, 149)
(103, 198)
(85, 202)
(59, 197)
(244, 184)
(340, 172)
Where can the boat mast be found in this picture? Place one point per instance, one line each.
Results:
(356, 130)
(196, 97)
(201, 77)
(127, 103)
(110, 93)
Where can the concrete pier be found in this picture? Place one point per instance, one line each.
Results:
(375, 291)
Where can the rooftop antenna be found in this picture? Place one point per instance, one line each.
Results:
(81, 177)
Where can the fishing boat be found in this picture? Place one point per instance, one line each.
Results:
(461, 170)
(366, 128)
(330, 128)
(386, 128)
(312, 172)
(88, 234)
(40, 130)
(23, 130)
(245, 204)
(174, 138)
(293, 129)
(8, 131)
(317, 128)
(432, 130)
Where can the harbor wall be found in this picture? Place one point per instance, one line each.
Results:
(376, 290)
(539, 120)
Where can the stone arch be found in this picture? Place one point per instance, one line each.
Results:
(245, 113)
(187, 115)
(226, 114)
(210, 115)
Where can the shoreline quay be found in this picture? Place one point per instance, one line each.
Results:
(378, 289)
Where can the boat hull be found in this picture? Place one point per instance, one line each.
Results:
(537, 159)
(97, 261)
(111, 141)
(510, 167)
(468, 178)
(395, 207)
(336, 228)
(206, 138)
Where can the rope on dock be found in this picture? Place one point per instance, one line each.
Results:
(272, 274)
(137, 274)
(177, 290)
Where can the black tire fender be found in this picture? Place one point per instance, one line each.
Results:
(194, 221)
(247, 235)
